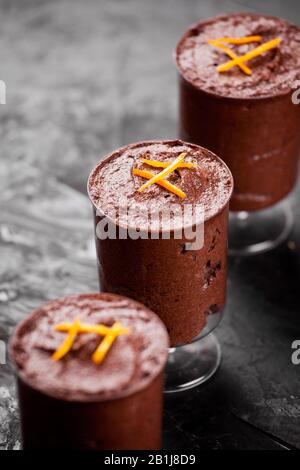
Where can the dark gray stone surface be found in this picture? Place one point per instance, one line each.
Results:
(84, 77)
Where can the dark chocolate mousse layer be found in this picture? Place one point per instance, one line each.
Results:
(133, 361)
(250, 121)
(273, 72)
(182, 286)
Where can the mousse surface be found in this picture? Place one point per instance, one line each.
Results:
(133, 361)
(112, 183)
(273, 73)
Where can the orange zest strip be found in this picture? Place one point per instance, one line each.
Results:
(157, 164)
(170, 168)
(106, 344)
(230, 53)
(242, 40)
(110, 334)
(165, 184)
(250, 55)
(101, 330)
(67, 344)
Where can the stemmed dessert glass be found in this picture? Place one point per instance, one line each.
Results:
(182, 279)
(250, 120)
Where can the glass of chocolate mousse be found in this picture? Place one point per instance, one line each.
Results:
(237, 74)
(161, 212)
(90, 374)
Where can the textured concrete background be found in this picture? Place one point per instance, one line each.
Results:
(84, 77)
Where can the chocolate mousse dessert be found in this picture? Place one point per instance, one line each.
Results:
(236, 79)
(182, 281)
(90, 374)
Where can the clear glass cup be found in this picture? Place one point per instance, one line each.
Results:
(259, 139)
(186, 288)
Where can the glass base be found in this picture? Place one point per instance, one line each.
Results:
(256, 232)
(192, 364)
